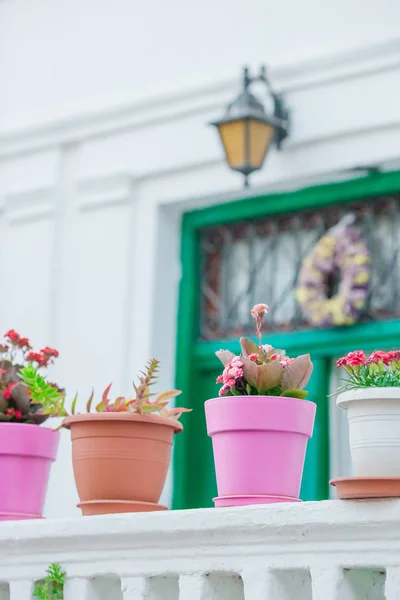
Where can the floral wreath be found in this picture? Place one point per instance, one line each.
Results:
(340, 248)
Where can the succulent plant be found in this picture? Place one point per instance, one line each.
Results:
(141, 402)
(261, 369)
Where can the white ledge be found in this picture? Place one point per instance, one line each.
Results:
(273, 551)
(326, 522)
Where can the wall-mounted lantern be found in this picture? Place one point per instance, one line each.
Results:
(247, 131)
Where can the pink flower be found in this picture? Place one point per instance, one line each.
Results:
(253, 357)
(379, 356)
(352, 359)
(231, 373)
(267, 347)
(285, 361)
(259, 310)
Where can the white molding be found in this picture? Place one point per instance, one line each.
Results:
(351, 64)
(324, 550)
(30, 205)
(105, 191)
(309, 535)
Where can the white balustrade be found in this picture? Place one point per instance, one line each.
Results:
(313, 551)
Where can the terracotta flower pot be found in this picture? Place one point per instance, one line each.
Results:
(120, 456)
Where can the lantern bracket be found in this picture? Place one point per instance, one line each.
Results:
(281, 112)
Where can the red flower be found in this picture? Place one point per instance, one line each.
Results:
(10, 411)
(37, 357)
(220, 379)
(18, 414)
(7, 391)
(13, 336)
(2, 371)
(352, 359)
(379, 356)
(49, 352)
(23, 343)
(393, 355)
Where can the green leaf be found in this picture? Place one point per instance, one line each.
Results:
(295, 394)
(248, 389)
(73, 405)
(262, 377)
(250, 347)
(297, 373)
(149, 408)
(89, 402)
(168, 395)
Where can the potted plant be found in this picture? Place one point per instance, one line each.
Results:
(371, 396)
(261, 423)
(27, 451)
(121, 452)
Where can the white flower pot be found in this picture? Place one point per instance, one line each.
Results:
(374, 430)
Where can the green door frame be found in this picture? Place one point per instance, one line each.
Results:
(194, 357)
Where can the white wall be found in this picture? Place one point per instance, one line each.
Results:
(103, 145)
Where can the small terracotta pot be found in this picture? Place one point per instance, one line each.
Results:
(121, 456)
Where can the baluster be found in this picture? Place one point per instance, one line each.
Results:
(263, 584)
(331, 584)
(21, 590)
(194, 587)
(80, 589)
(392, 585)
(134, 588)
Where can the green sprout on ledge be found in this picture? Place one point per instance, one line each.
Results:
(52, 588)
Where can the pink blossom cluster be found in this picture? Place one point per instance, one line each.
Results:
(358, 357)
(231, 373)
(284, 360)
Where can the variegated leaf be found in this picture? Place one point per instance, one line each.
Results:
(297, 373)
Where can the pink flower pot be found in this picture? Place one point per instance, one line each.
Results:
(259, 445)
(26, 454)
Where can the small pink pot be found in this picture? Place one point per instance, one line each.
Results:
(259, 444)
(26, 454)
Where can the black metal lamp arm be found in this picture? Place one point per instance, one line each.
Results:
(281, 112)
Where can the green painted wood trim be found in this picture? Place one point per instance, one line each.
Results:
(317, 457)
(324, 342)
(188, 315)
(319, 343)
(310, 197)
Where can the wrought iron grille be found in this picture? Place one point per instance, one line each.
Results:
(259, 261)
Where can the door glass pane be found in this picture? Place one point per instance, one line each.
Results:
(259, 261)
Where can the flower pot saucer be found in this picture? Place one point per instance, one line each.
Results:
(247, 500)
(108, 507)
(357, 488)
